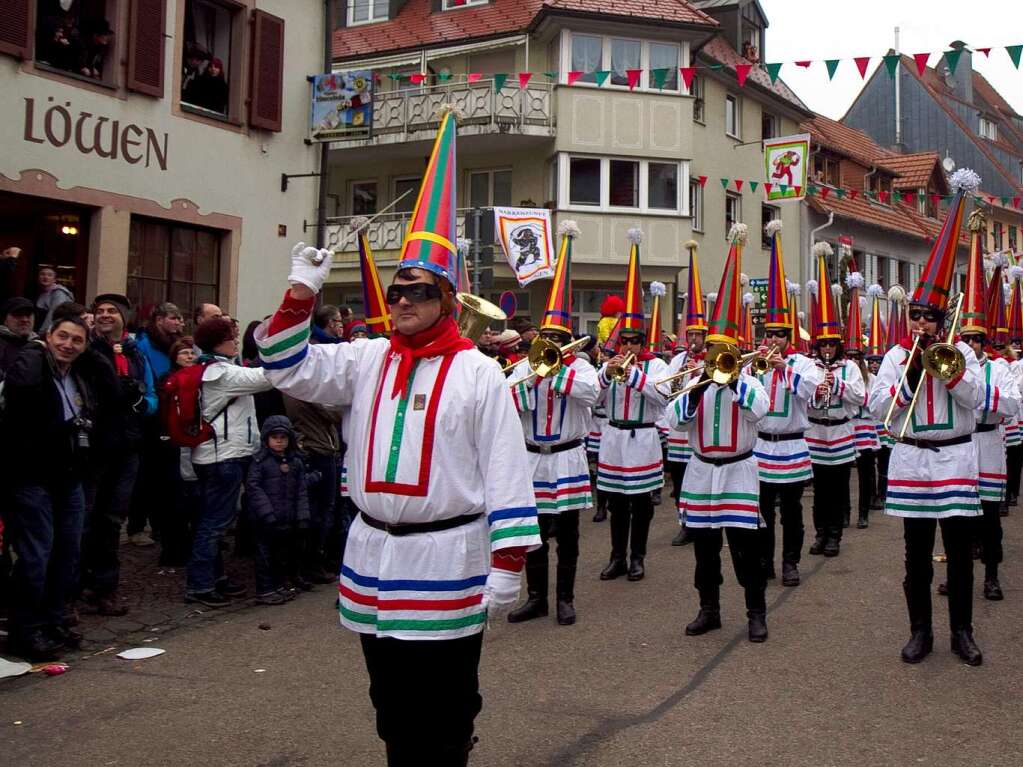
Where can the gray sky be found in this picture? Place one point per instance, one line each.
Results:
(829, 29)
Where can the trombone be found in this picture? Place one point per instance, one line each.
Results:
(546, 358)
(723, 364)
(942, 361)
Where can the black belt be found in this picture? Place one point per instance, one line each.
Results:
(829, 421)
(724, 461)
(983, 427)
(934, 444)
(545, 449)
(779, 437)
(418, 527)
(630, 425)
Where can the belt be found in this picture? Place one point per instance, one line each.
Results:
(631, 425)
(934, 444)
(418, 527)
(829, 421)
(724, 461)
(779, 437)
(546, 449)
(983, 427)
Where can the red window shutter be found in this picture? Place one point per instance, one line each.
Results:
(146, 46)
(266, 77)
(16, 27)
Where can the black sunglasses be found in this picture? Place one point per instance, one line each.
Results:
(776, 333)
(630, 340)
(916, 314)
(416, 292)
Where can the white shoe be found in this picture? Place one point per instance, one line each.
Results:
(140, 539)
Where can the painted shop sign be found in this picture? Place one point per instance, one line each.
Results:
(57, 126)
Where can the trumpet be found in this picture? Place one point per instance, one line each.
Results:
(680, 374)
(619, 373)
(546, 358)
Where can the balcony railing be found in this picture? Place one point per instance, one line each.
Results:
(511, 109)
(383, 233)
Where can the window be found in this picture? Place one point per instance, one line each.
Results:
(997, 235)
(733, 210)
(827, 169)
(767, 213)
(612, 183)
(988, 129)
(1012, 239)
(905, 278)
(768, 125)
(584, 181)
(662, 185)
(732, 124)
(489, 187)
(587, 56)
(364, 198)
(696, 91)
(624, 179)
(696, 205)
(366, 11)
(449, 5)
(883, 271)
(625, 55)
(78, 40)
(168, 262)
(663, 56)
(408, 187)
(751, 43)
(590, 53)
(206, 71)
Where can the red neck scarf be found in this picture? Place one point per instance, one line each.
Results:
(438, 341)
(645, 356)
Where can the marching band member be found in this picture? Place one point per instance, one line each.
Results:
(783, 458)
(864, 427)
(830, 437)
(932, 478)
(446, 505)
(630, 463)
(721, 486)
(1013, 431)
(555, 414)
(876, 457)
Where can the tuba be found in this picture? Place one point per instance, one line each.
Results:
(476, 314)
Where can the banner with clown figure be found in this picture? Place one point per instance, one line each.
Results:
(525, 237)
(342, 105)
(785, 166)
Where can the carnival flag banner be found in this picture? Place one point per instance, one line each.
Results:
(785, 166)
(342, 105)
(525, 237)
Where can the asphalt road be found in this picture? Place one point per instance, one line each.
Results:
(622, 687)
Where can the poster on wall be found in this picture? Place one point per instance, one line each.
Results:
(342, 105)
(785, 166)
(525, 237)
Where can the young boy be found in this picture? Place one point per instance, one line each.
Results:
(279, 504)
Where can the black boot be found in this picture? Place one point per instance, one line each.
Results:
(820, 538)
(601, 513)
(535, 606)
(992, 588)
(35, 647)
(919, 646)
(757, 625)
(789, 574)
(682, 538)
(832, 545)
(921, 640)
(708, 619)
(846, 518)
(863, 522)
(620, 522)
(566, 595)
(636, 569)
(1003, 509)
(615, 568)
(964, 646)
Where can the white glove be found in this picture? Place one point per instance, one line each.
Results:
(309, 266)
(501, 591)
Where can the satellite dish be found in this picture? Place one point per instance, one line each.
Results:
(948, 164)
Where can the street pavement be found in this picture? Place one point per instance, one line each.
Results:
(286, 687)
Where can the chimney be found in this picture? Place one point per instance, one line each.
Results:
(962, 81)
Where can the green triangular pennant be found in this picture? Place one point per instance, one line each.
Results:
(1005, 201)
(784, 188)
(724, 183)
(396, 76)
(499, 80)
(444, 76)
(660, 75)
(897, 197)
(840, 193)
(1014, 53)
(891, 61)
(811, 190)
(772, 71)
(601, 76)
(753, 185)
(952, 59)
(551, 75)
(832, 65)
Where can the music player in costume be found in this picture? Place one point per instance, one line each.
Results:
(865, 436)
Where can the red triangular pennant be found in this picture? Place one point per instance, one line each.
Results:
(985, 51)
(738, 185)
(1016, 201)
(417, 78)
(524, 79)
(799, 191)
(884, 196)
(687, 76)
(633, 75)
(854, 193)
(804, 64)
(921, 62)
(474, 77)
(702, 180)
(742, 72)
(909, 197)
(862, 62)
(935, 198)
(825, 191)
(573, 76)
(768, 186)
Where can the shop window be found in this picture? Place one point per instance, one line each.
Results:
(78, 39)
(364, 198)
(366, 11)
(488, 188)
(168, 262)
(206, 75)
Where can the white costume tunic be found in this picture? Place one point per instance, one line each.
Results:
(724, 425)
(598, 422)
(630, 459)
(834, 444)
(925, 483)
(1001, 401)
(449, 448)
(788, 393)
(678, 441)
(1013, 435)
(556, 410)
(864, 425)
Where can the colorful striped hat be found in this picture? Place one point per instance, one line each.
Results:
(558, 314)
(378, 314)
(1015, 304)
(936, 278)
(854, 317)
(898, 322)
(634, 319)
(997, 321)
(725, 318)
(653, 337)
(430, 241)
(793, 289)
(696, 311)
(824, 319)
(875, 330)
(776, 312)
(976, 298)
(747, 337)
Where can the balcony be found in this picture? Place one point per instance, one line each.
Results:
(410, 114)
(384, 233)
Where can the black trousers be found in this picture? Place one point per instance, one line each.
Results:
(744, 547)
(866, 474)
(884, 455)
(830, 498)
(956, 535)
(564, 528)
(990, 534)
(677, 470)
(107, 501)
(1014, 465)
(629, 513)
(426, 695)
(322, 497)
(791, 494)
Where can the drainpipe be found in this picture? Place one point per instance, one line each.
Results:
(898, 100)
(866, 185)
(328, 61)
(813, 239)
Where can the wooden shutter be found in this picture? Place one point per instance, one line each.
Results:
(146, 46)
(266, 76)
(16, 27)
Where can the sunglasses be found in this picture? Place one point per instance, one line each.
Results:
(631, 340)
(974, 339)
(776, 333)
(416, 293)
(916, 314)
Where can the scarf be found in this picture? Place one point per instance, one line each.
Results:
(120, 361)
(645, 356)
(438, 341)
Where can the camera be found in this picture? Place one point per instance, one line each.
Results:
(82, 427)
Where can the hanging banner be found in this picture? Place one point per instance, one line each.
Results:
(785, 162)
(525, 237)
(342, 105)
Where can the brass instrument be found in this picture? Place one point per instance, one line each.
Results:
(476, 315)
(620, 372)
(546, 358)
(827, 367)
(723, 364)
(680, 374)
(761, 364)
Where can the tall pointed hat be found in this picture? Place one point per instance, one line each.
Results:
(936, 278)
(812, 291)
(854, 317)
(430, 241)
(633, 318)
(875, 328)
(696, 311)
(825, 318)
(975, 302)
(776, 312)
(898, 322)
(653, 337)
(997, 320)
(747, 338)
(1015, 304)
(793, 289)
(558, 314)
(727, 314)
(378, 314)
